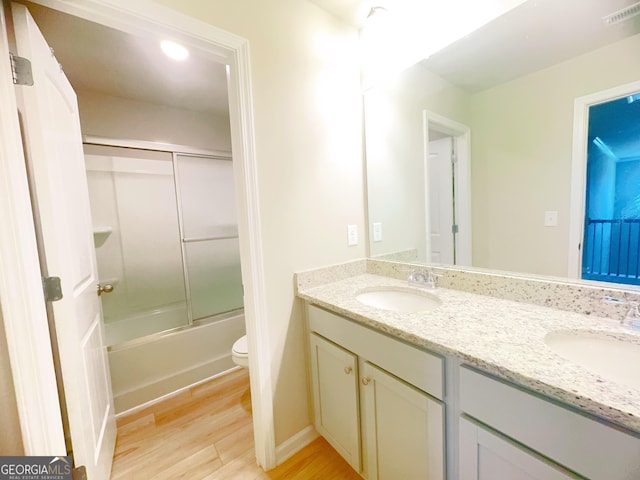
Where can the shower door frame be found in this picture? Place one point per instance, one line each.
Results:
(140, 17)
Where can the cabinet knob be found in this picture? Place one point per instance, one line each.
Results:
(348, 370)
(366, 380)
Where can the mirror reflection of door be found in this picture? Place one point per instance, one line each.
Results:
(611, 241)
(441, 199)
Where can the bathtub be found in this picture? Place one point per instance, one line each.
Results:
(151, 367)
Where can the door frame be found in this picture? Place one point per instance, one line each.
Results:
(20, 282)
(579, 168)
(461, 135)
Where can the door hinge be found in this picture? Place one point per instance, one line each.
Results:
(21, 70)
(454, 228)
(52, 289)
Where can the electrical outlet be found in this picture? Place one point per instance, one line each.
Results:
(377, 232)
(352, 235)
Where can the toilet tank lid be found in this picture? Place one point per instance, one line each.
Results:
(241, 346)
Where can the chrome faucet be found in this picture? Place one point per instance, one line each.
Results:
(632, 317)
(425, 278)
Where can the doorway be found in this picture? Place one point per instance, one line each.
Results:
(231, 50)
(611, 243)
(447, 190)
(605, 214)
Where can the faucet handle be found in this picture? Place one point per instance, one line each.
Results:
(432, 278)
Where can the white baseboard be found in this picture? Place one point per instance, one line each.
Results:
(294, 444)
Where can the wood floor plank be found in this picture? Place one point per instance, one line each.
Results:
(235, 444)
(206, 433)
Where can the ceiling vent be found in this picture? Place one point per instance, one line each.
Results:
(622, 15)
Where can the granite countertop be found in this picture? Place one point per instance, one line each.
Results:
(502, 337)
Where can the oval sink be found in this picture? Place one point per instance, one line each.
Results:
(398, 299)
(612, 356)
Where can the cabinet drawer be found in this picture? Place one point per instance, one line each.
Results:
(578, 442)
(415, 366)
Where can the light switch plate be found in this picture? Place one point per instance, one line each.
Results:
(352, 235)
(377, 232)
(551, 218)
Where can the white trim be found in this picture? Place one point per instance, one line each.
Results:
(252, 258)
(143, 17)
(155, 146)
(462, 137)
(579, 168)
(294, 444)
(21, 297)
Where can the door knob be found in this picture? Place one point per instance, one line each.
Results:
(106, 288)
(366, 380)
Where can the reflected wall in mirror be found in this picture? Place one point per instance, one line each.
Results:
(513, 84)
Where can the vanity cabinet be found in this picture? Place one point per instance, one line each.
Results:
(377, 400)
(508, 432)
(334, 375)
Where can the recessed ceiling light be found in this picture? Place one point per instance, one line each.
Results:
(174, 50)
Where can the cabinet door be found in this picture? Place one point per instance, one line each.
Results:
(404, 429)
(334, 373)
(487, 456)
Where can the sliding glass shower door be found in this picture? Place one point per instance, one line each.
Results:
(166, 239)
(209, 230)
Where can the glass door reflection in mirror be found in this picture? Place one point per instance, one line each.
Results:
(611, 251)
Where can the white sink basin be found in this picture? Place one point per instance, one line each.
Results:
(398, 299)
(612, 356)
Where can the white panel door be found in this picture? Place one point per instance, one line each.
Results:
(440, 191)
(335, 392)
(404, 429)
(486, 456)
(53, 144)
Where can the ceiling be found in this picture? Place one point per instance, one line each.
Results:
(353, 12)
(535, 35)
(101, 59)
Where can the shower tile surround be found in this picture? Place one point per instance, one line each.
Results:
(496, 322)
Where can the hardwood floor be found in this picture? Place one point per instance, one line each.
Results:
(206, 433)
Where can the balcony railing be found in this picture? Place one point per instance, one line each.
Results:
(612, 250)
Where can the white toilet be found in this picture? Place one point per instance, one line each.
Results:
(240, 352)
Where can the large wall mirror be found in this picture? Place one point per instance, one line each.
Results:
(480, 135)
